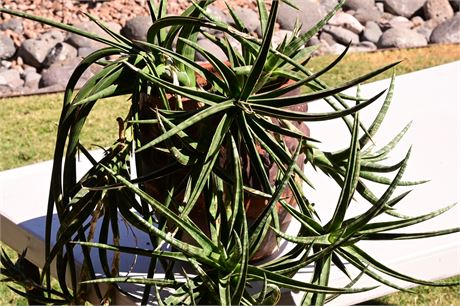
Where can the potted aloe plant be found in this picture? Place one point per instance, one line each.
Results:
(209, 166)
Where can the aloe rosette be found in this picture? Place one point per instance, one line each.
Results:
(243, 108)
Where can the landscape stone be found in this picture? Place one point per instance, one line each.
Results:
(59, 73)
(59, 53)
(5, 65)
(327, 38)
(7, 48)
(336, 48)
(364, 46)
(11, 78)
(364, 15)
(218, 14)
(328, 5)
(380, 7)
(400, 22)
(211, 47)
(309, 13)
(438, 9)
(137, 28)
(32, 80)
(34, 51)
(401, 38)
(448, 31)
(342, 35)
(79, 41)
(356, 4)
(346, 21)
(85, 51)
(249, 18)
(405, 8)
(372, 32)
(13, 24)
(427, 28)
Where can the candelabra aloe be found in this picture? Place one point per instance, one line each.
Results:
(239, 109)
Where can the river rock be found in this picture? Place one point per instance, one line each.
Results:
(58, 74)
(327, 38)
(447, 32)
(346, 21)
(427, 27)
(400, 22)
(212, 48)
(32, 79)
(34, 51)
(137, 28)
(79, 41)
(357, 4)
(249, 18)
(364, 46)
(372, 32)
(60, 53)
(11, 78)
(405, 8)
(309, 13)
(438, 9)
(401, 38)
(364, 15)
(7, 48)
(342, 35)
(13, 24)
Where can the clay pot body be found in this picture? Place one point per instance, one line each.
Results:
(153, 159)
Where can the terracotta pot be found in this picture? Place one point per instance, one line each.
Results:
(153, 159)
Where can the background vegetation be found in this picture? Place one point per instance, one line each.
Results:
(28, 127)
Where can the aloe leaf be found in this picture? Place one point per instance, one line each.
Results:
(364, 218)
(174, 151)
(406, 236)
(208, 163)
(250, 144)
(275, 150)
(320, 277)
(282, 131)
(392, 225)
(135, 280)
(290, 283)
(381, 114)
(192, 93)
(202, 114)
(283, 90)
(301, 40)
(287, 101)
(383, 152)
(134, 250)
(258, 66)
(365, 258)
(263, 16)
(302, 116)
(192, 230)
(228, 75)
(263, 220)
(118, 37)
(209, 76)
(242, 221)
(349, 285)
(350, 181)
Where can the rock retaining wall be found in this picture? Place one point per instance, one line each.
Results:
(44, 61)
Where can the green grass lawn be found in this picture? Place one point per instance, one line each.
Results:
(28, 129)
